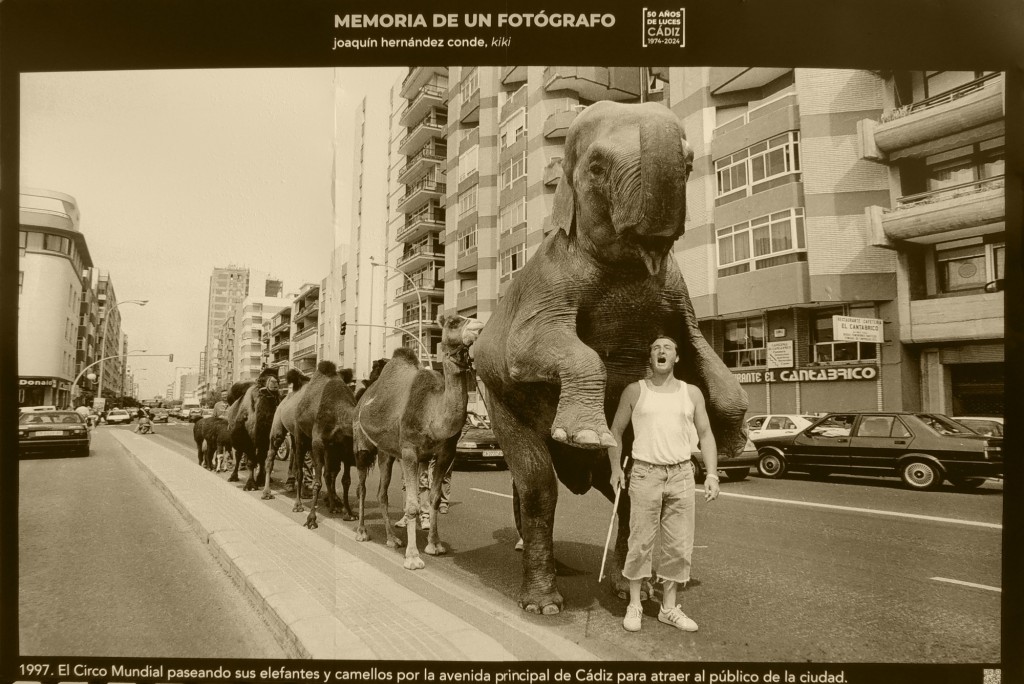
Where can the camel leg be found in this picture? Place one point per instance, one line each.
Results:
(441, 467)
(234, 469)
(250, 484)
(300, 446)
(364, 460)
(269, 469)
(410, 475)
(318, 470)
(332, 467)
(387, 461)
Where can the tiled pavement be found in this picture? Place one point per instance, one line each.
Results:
(337, 606)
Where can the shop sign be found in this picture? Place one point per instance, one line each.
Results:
(780, 354)
(850, 329)
(832, 374)
(37, 382)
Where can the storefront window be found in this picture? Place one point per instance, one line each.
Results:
(744, 343)
(826, 349)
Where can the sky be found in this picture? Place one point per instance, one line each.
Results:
(178, 172)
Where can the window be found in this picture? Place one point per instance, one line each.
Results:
(512, 170)
(512, 260)
(512, 129)
(56, 243)
(833, 426)
(747, 169)
(467, 240)
(744, 343)
(780, 423)
(469, 162)
(512, 215)
(764, 236)
(824, 345)
(969, 267)
(470, 84)
(22, 239)
(467, 201)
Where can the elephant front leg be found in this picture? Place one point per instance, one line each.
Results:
(410, 475)
(579, 419)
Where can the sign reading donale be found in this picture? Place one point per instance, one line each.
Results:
(850, 329)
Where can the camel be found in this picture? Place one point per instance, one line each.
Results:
(378, 366)
(324, 419)
(284, 428)
(414, 414)
(250, 419)
(215, 435)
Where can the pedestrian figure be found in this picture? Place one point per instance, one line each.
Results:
(664, 411)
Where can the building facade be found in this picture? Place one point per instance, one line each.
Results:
(228, 287)
(54, 257)
(305, 326)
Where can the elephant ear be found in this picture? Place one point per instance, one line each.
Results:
(563, 215)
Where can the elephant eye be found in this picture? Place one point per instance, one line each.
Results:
(596, 168)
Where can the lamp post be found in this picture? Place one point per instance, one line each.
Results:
(103, 337)
(419, 296)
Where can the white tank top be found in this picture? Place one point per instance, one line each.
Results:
(662, 425)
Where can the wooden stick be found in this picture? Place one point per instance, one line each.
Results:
(608, 539)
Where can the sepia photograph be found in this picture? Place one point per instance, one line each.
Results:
(370, 369)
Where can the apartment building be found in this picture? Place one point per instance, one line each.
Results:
(53, 258)
(228, 287)
(305, 325)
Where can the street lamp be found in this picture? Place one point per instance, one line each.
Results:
(419, 296)
(103, 336)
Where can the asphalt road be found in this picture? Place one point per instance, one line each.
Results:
(836, 570)
(99, 545)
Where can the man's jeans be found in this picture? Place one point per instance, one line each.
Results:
(661, 498)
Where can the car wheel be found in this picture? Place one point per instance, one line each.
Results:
(737, 474)
(967, 482)
(770, 464)
(921, 475)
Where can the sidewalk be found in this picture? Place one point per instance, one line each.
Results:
(323, 600)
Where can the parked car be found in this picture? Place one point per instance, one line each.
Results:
(195, 415)
(207, 412)
(478, 444)
(735, 467)
(923, 449)
(29, 409)
(777, 424)
(118, 416)
(989, 426)
(160, 416)
(174, 412)
(52, 432)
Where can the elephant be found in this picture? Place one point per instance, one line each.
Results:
(576, 323)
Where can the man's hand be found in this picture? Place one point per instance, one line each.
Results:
(710, 488)
(618, 479)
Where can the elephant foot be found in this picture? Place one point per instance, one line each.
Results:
(362, 535)
(438, 549)
(544, 604)
(298, 508)
(580, 432)
(233, 478)
(414, 563)
(267, 495)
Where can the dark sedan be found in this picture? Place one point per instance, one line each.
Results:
(921, 448)
(59, 433)
(478, 445)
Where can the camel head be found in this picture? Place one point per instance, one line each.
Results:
(458, 334)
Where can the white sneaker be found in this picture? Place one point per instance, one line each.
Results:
(677, 618)
(401, 522)
(634, 617)
(424, 521)
(520, 544)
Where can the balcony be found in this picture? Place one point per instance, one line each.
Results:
(304, 344)
(595, 83)
(419, 77)
(415, 259)
(431, 126)
(949, 214)
(414, 320)
(731, 79)
(417, 224)
(553, 171)
(423, 285)
(467, 298)
(510, 75)
(952, 319)
(308, 312)
(281, 345)
(557, 125)
(419, 194)
(905, 131)
(469, 111)
(428, 97)
(430, 157)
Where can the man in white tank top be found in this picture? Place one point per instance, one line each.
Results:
(664, 411)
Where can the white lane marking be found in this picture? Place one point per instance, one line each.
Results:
(487, 491)
(973, 523)
(994, 526)
(966, 584)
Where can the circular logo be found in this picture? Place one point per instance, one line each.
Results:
(967, 270)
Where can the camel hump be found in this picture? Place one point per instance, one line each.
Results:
(327, 368)
(407, 355)
(237, 391)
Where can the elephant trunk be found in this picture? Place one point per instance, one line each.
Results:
(663, 171)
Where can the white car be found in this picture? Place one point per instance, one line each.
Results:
(766, 425)
(990, 426)
(118, 416)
